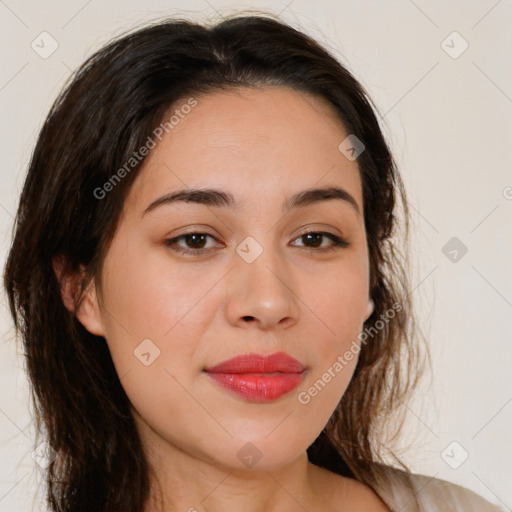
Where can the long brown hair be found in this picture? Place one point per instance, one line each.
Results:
(109, 108)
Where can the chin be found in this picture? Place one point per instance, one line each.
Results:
(261, 454)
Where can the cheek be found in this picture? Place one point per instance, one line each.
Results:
(157, 314)
(149, 294)
(153, 333)
(336, 298)
(337, 301)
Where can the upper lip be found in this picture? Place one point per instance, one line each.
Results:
(258, 363)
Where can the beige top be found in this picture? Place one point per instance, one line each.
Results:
(407, 492)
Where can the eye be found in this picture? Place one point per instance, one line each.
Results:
(195, 240)
(315, 239)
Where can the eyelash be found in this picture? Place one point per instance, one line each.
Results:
(338, 242)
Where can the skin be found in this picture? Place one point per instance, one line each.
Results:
(262, 145)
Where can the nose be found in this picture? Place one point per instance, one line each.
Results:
(261, 292)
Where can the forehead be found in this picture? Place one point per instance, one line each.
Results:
(255, 142)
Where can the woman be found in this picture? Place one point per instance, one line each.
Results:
(205, 277)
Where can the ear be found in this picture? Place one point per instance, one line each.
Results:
(88, 312)
(369, 309)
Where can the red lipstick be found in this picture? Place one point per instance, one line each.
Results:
(258, 378)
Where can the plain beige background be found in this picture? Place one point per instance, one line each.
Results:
(447, 112)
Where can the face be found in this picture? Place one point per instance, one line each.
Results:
(250, 281)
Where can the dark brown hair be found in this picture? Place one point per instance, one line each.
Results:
(110, 106)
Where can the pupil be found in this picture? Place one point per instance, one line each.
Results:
(195, 237)
(314, 236)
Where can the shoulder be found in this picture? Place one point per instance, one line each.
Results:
(409, 492)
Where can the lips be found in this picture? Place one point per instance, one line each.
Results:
(256, 363)
(258, 378)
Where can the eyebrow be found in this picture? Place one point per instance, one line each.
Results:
(222, 199)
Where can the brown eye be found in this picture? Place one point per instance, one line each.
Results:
(313, 240)
(195, 243)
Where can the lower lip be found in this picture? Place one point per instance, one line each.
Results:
(258, 387)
